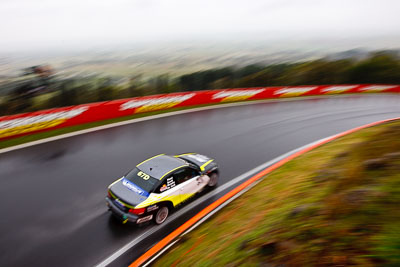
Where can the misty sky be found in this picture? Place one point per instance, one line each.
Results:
(62, 23)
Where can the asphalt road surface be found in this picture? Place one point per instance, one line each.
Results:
(52, 204)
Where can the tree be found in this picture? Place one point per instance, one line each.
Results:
(380, 68)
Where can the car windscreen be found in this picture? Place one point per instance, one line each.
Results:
(142, 179)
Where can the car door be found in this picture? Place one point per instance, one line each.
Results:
(189, 181)
(169, 190)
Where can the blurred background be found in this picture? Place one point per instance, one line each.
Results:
(57, 53)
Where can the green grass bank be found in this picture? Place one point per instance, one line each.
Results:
(336, 205)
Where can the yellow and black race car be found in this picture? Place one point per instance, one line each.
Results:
(159, 184)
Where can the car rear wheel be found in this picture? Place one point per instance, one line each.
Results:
(213, 179)
(161, 215)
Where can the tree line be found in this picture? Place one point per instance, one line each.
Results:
(42, 92)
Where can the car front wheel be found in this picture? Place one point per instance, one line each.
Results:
(213, 179)
(161, 215)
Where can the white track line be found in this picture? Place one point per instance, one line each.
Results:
(172, 113)
(219, 189)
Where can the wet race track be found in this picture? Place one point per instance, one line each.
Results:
(52, 204)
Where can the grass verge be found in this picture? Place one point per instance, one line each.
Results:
(335, 205)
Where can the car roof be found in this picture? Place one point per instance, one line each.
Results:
(159, 166)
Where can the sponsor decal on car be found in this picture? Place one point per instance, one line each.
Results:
(338, 89)
(151, 208)
(236, 95)
(164, 187)
(294, 91)
(37, 122)
(151, 104)
(131, 186)
(170, 182)
(144, 219)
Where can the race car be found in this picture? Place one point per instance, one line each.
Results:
(159, 184)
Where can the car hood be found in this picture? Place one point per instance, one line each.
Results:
(128, 192)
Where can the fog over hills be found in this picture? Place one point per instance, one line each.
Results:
(125, 37)
(179, 57)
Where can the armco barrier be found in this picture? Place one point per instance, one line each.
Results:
(29, 123)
